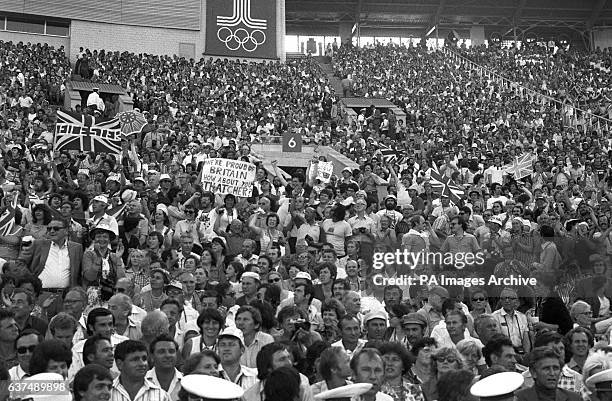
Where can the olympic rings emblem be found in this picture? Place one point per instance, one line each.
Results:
(234, 40)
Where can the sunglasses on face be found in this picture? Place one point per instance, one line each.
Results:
(480, 299)
(23, 350)
(54, 228)
(448, 359)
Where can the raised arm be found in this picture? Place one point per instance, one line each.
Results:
(278, 173)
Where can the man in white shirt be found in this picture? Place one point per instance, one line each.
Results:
(196, 156)
(231, 347)
(350, 329)
(164, 373)
(453, 330)
(99, 217)
(131, 358)
(390, 210)
(494, 173)
(247, 257)
(25, 101)
(56, 261)
(174, 290)
(513, 323)
(99, 321)
(94, 100)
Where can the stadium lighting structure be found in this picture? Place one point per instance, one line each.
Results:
(430, 30)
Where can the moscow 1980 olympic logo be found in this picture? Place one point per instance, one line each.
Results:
(234, 38)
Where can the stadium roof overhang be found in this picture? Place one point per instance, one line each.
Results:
(416, 17)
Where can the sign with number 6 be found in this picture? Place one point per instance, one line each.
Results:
(292, 142)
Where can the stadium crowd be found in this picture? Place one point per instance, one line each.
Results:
(582, 79)
(124, 261)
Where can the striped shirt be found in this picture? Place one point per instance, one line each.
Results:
(249, 356)
(148, 392)
(246, 378)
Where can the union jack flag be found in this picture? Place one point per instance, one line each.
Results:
(82, 132)
(7, 219)
(389, 155)
(522, 166)
(443, 184)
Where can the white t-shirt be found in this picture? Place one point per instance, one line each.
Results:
(336, 233)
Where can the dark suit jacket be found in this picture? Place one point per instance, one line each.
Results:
(554, 311)
(530, 394)
(36, 255)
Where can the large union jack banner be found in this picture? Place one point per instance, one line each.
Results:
(7, 218)
(82, 132)
(444, 185)
(522, 166)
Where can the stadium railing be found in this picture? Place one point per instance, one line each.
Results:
(572, 115)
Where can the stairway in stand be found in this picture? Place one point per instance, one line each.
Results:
(326, 67)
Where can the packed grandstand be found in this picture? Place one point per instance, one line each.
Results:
(381, 274)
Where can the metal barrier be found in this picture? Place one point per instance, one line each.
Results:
(591, 120)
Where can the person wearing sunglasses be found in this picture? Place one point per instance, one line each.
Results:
(513, 323)
(50, 356)
(444, 360)
(56, 261)
(479, 303)
(25, 344)
(275, 279)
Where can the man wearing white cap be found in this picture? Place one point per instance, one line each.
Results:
(315, 305)
(250, 282)
(174, 290)
(230, 348)
(500, 238)
(98, 209)
(390, 210)
(347, 176)
(375, 325)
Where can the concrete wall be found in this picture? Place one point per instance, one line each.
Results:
(138, 39)
(602, 38)
(55, 41)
